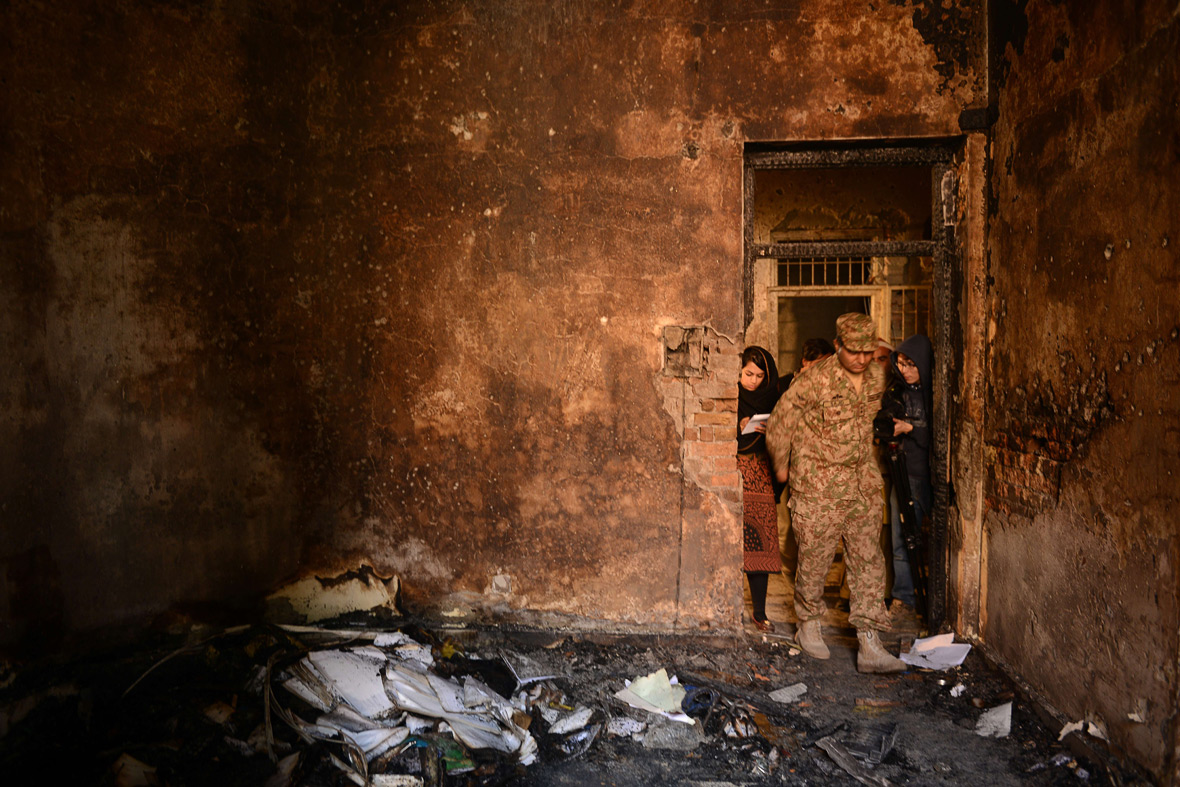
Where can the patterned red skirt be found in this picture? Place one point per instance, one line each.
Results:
(759, 515)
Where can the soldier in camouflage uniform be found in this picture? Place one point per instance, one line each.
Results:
(820, 438)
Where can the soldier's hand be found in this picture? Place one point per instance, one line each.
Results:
(781, 475)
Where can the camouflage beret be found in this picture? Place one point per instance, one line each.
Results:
(856, 332)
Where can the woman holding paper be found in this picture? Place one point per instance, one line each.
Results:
(757, 395)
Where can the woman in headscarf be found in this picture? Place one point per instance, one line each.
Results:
(757, 394)
(905, 416)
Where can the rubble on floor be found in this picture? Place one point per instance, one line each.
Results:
(382, 702)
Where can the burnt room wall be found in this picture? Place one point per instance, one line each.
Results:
(158, 423)
(1082, 397)
(392, 284)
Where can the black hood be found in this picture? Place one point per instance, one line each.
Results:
(918, 349)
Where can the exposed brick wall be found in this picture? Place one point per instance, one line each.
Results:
(1024, 478)
(710, 415)
(710, 444)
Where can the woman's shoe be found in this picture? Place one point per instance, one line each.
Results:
(764, 625)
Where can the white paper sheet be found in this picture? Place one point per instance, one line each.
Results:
(355, 678)
(754, 421)
(996, 722)
(433, 696)
(939, 652)
(404, 647)
(1082, 726)
(656, 693)
(789, 694)
(378, 741)
(574, 720)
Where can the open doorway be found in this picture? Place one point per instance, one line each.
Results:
(837, 229)
(803, 317)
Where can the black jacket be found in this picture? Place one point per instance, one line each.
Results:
(910, 403)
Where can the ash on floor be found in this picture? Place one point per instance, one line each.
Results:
(222, 711)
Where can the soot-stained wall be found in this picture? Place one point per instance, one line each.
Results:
(159, 427)
(1082, 397)
(388, 284)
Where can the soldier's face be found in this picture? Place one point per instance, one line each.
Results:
(854, 362)
(752, 376)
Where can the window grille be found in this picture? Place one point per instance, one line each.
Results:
(909, 312)
(825, 271)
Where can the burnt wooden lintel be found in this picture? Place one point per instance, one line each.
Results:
(845, 248)
(901, 156)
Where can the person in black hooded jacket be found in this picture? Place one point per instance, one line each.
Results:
(906, 413)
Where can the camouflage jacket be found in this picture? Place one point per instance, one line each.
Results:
(822, 429)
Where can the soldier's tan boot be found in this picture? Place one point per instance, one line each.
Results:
(872, 656)
(811, 640)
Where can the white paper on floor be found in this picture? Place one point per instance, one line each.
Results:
(354, 677)
(656, 693)
(624, 726)
(345, 718)
(996, 722)
(376, 742)
(403, 647)
(367, 696)
(789, 694)
(938, 652)
(395, 780)
(306, 684)
(574, 720)
(1082, 726)
(485, 724)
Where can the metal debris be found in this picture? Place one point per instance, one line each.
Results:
(577, 743)
(528, 670)
(871, 743)
(848, 763)
(699, 701)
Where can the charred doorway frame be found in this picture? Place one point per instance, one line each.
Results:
(939, 155)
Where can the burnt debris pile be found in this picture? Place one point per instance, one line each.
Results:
(418, 706)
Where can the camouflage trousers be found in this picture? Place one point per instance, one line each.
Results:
(818, 525)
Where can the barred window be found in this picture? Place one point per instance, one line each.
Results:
(909, 312)
(825, 272)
